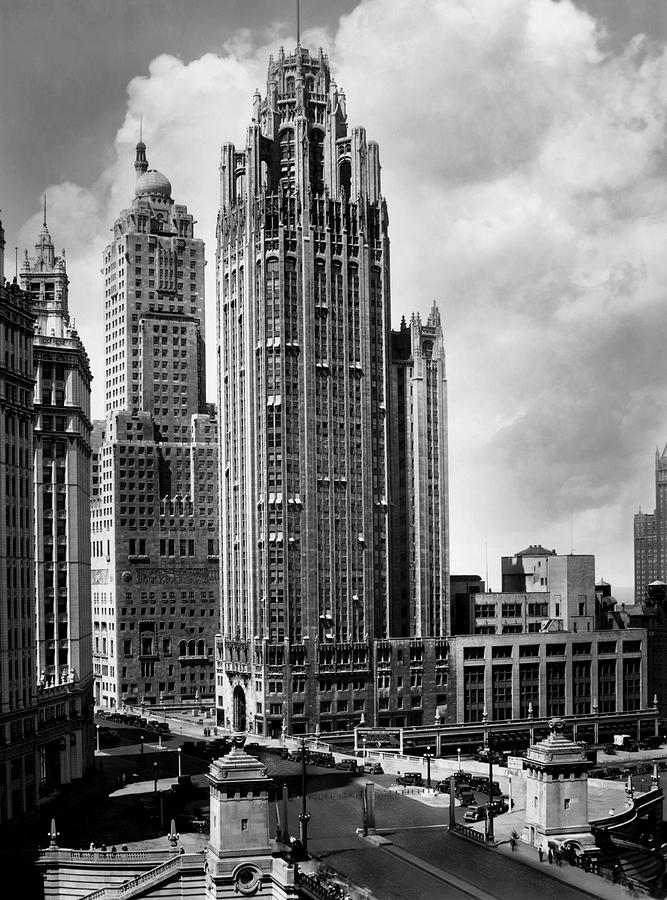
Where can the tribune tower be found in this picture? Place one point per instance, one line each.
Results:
(303, 313)
(304, 357)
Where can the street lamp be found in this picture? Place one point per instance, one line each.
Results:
(305, 815)
(141, 750)
(428, 756)
(363, 740)
(98, 738)
(489, 808)
(458, 755)
(179, 751)
(155, 778)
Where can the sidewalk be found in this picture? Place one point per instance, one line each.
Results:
(526, 854)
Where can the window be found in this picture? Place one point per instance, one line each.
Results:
(501, 691)
(485, 611)
(581, 687)
(538, 610)
(510, 610)
(631, 685)
(473, 693)
(607, 685)
(566, 803)
(555, 688)
(529, 690)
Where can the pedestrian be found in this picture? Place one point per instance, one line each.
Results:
(550, 856)
(215, 732)
(540, 853)
(513, 843)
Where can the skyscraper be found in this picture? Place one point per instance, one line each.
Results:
(45, 667)
(62, 506)
(646, 563)
(304, 396)
(420, 598)
(154, 516)
(19, 778)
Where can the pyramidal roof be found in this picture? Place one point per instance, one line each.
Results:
(536, 550)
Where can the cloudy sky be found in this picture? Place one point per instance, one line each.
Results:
(523, 145)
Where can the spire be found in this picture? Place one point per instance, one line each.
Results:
(44, 236)
(2, 252)
(298, 23)
(44, 252)
(140, 161)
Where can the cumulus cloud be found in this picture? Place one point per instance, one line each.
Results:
(524, 167)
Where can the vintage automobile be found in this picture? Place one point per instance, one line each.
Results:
(411, 778)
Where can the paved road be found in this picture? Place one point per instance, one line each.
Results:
(423, 861)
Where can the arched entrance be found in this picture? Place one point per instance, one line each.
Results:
(238, 712)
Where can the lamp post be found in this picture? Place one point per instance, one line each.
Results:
(141, 748)
(458, 756)
(363, 740)
(305, 816)
(155, 778)
(97, 727)
(428, 756)
(489, 809)
(179, 751)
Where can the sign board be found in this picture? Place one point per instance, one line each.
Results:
(385, 739)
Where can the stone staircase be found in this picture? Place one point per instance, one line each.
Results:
(138, 885)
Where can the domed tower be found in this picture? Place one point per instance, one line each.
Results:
(154, 509)
(303, 325)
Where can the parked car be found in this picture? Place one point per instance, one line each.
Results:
(479, 783)
(497, 807)
(373, 769)
(474, 814)
(464, 795)
(651, 743)
(321, 758)
(462, 776)
(348, 765)
(411, 778)
(482, 755)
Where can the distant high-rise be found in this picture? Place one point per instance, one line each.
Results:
(420, 602)
(661, 513)
(306, 418)
(646, 553)
(154, 517)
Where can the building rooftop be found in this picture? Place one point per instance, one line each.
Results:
(536, 550)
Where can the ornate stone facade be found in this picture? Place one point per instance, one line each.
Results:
(154, 514)
(306, 420)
